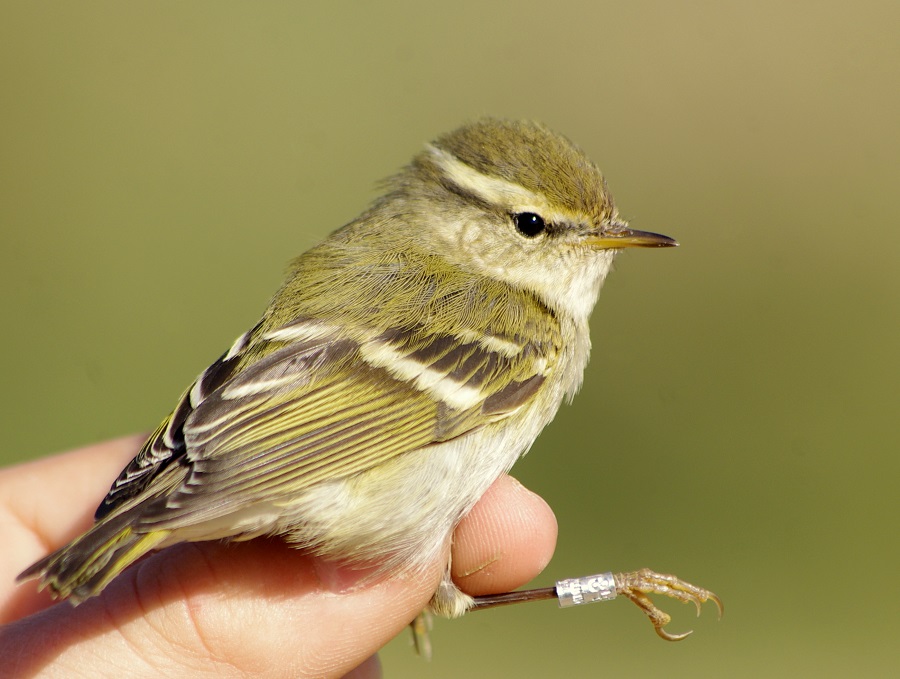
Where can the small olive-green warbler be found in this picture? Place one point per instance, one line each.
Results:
(406, 363)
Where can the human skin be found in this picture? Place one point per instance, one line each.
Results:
(255, 608)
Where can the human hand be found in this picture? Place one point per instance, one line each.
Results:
(252, 608)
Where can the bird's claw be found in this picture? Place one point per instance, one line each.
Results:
(420, 628)
(637, 585)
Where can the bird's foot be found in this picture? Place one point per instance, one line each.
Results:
(637, 585)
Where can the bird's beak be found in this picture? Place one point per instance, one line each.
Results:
(630, 238)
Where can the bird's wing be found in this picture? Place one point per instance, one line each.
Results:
(307, 401)
(166, 445)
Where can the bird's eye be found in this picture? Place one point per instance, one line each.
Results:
(530, 224)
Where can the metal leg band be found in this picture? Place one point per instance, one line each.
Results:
(586, 590)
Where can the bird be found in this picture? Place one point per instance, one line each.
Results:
(408, 360)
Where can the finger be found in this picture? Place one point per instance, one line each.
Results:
(43, 493)
(505, 541)
(244, 608)
(369, 669)
(44, 504)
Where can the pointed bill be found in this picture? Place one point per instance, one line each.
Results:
(630, 238)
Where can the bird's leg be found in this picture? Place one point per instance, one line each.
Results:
(635, 585)
(448, 601)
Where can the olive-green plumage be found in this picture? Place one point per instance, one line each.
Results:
(407, 361)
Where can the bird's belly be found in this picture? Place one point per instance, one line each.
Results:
(401, 513)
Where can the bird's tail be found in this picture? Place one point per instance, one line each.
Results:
(86, 565)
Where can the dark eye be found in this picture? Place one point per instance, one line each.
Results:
(529, 224)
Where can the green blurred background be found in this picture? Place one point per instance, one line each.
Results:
(161, 162)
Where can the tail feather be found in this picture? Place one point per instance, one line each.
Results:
(86, 565)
